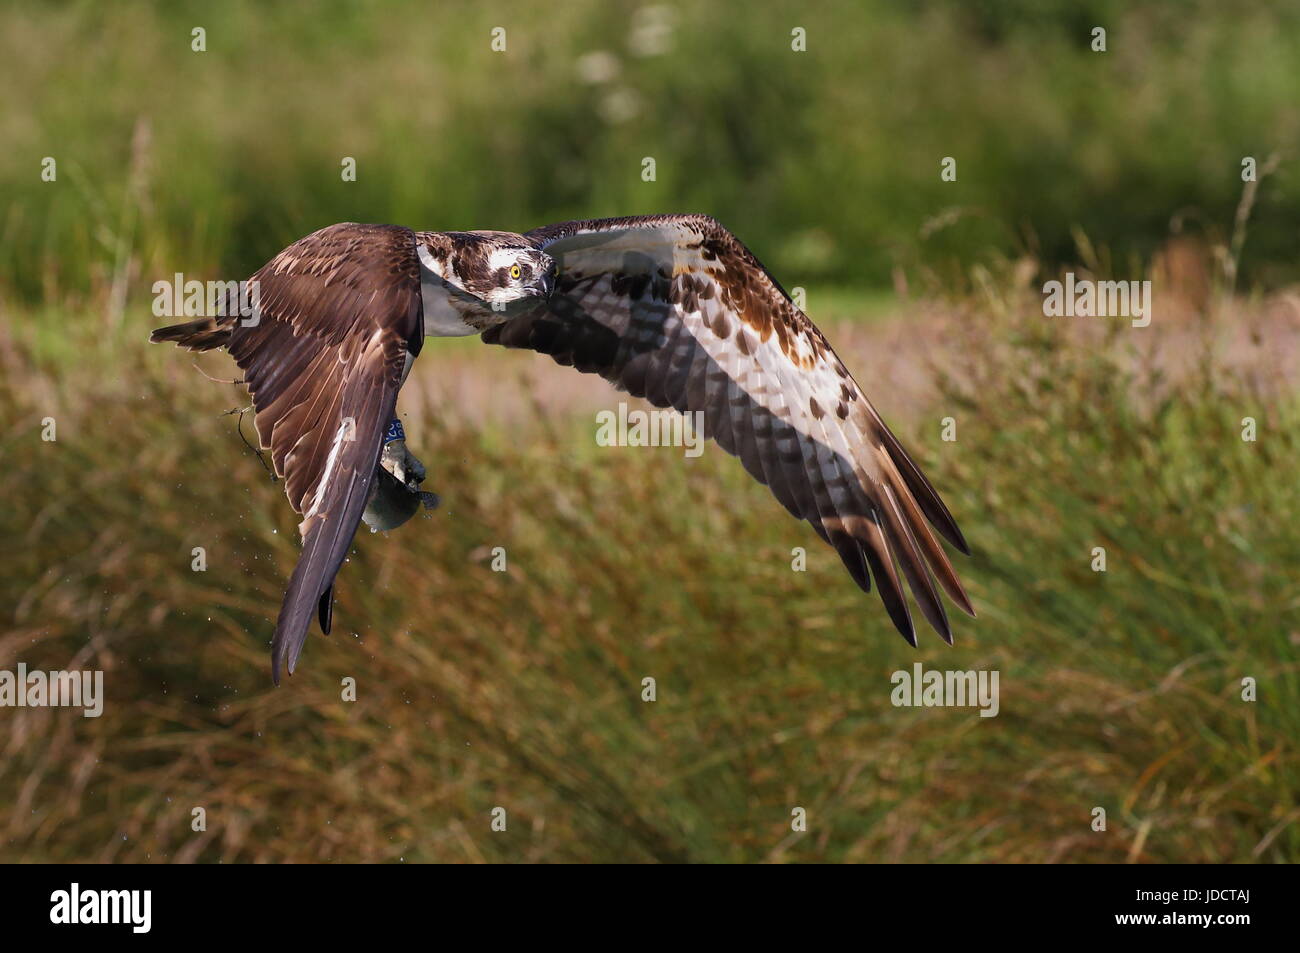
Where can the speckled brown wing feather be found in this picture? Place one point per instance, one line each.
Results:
(673, 308)
(323, 358)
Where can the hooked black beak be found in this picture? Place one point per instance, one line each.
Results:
(544, 284)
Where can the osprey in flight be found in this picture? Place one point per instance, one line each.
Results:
(672, 308)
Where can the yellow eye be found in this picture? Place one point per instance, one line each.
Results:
(515, 272)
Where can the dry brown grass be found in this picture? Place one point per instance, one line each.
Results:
(478, 689)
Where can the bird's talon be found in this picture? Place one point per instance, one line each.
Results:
(414, 468)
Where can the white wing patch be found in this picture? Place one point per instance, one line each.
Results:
(629, 250)
(766, 373)
(340, 437)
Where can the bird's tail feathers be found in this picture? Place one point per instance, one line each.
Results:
(205, 334)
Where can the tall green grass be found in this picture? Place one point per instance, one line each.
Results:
(478, 689)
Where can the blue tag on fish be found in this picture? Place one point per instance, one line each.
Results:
(394, 432)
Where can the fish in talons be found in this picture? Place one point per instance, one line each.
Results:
(395, 494)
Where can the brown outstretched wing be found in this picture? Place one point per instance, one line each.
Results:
(673, 308)
(323, 358)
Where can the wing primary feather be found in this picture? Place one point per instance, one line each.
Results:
(918, 577)
(876, 551)
(328, 534)
(926, 495)
(841, 526)
(933, 550)
(328, 539)
(325, 609)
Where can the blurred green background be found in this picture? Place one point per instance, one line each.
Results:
(826, 161)
(478, 689)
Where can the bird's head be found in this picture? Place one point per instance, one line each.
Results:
(502, 269)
